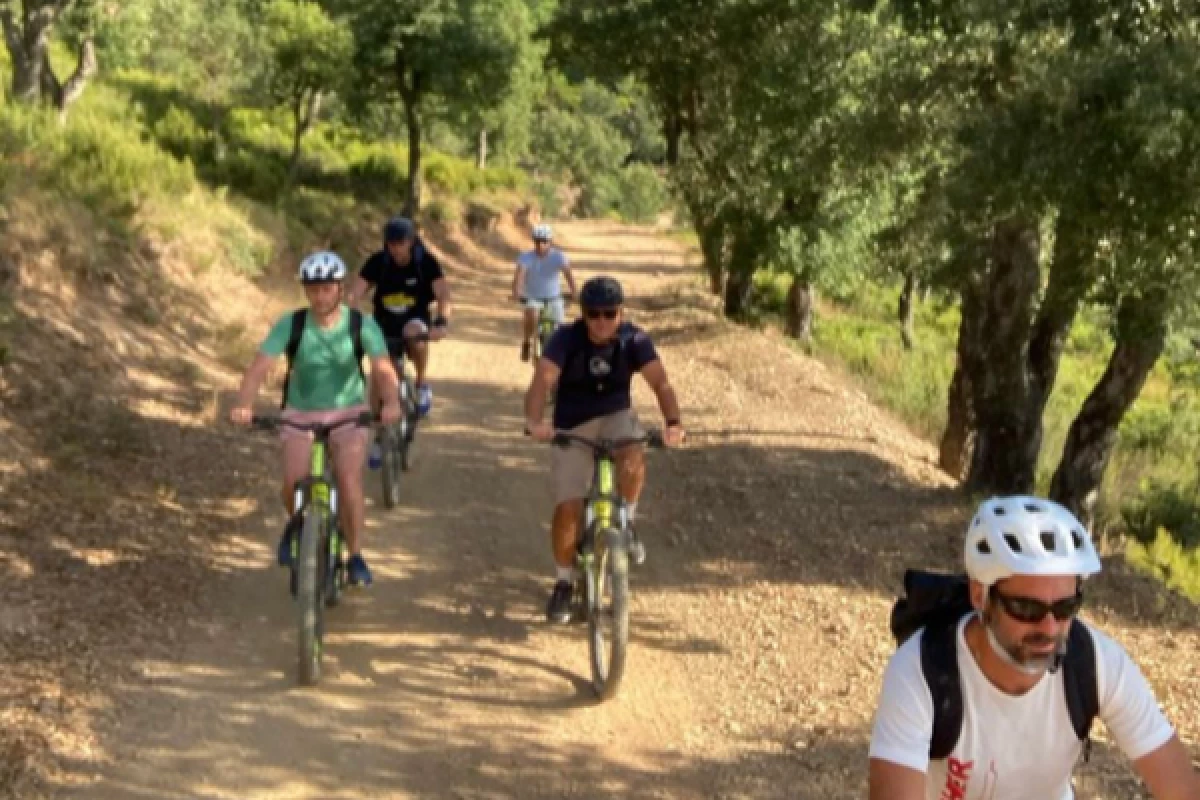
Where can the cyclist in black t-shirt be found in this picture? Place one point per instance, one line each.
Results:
(406, 279)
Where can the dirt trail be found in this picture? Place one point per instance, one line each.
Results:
(759, 627)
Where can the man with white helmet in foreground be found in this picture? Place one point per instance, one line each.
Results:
(536, 284)
(324, 345)
(993, 700)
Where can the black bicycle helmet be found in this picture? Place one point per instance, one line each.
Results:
(398, 229)
(602, 292)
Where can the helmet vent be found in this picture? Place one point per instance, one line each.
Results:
(1077, 539)
(1049, 541)
(1014, 543)
(983, 548)
(1035, 508)
(999, 511)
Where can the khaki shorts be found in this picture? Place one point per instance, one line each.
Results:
(571, 467)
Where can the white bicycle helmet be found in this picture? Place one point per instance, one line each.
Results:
(542, 233)
(322, 267)
(1027, 536)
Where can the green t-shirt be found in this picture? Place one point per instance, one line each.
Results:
(324, 375)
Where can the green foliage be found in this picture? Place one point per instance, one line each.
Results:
(308, 50)
(1175, 564)
(91, 159)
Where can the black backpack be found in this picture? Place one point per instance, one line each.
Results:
(299, 317)
(937, 603)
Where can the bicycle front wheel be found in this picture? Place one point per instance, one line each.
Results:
(607, 596)
(309, 601)
(390, 444)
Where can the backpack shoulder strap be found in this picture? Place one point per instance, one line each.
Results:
(299, 317)
(356, 326)
(1080, 683)
(939, 664)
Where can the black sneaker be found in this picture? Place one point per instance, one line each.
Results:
(559, 608)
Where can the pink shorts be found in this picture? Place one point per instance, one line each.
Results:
(348, 443)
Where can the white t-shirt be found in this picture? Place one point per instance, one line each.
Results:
(541, 273)
(1010, 748)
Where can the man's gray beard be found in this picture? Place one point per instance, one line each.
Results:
(1030, 665)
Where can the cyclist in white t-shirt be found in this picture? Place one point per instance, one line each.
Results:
(536, 284)
(1026, 559)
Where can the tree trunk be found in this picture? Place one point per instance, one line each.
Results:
(412, 201)
(1140, 336)
(907, 310)
(1001, 386)
(712, 246)
(672, 133)
(740, 278)
(957, 448)
(410, 94)
(1069, 282)
(305, 110)
(481, 155)
(27, 41)
(800, 310)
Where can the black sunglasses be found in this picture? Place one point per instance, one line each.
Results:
(597, 313)
(1031, 611)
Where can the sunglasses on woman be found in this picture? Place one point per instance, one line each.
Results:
(1031, 611)
(597, 313)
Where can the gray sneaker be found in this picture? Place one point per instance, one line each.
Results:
(637, 550)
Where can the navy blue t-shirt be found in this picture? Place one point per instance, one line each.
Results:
(596, 379)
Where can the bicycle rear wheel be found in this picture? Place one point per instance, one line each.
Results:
(310, 606)
(404, 441)
(607, 597)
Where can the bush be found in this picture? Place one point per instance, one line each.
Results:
(1165, 506)
(452, 176)
(442, 212)
(1174, 564)
(179, 133)
(505, 178)
(548, 198)
(641, 194)
(379, 166)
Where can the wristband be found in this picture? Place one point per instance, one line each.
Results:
(674, 423)
(441, 322)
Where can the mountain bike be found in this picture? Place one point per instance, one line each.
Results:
(319, 572)
(395, 441)
(546, 325)
(602, 560)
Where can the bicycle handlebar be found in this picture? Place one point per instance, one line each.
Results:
(651, 438)
(392, 341)
(272, 423)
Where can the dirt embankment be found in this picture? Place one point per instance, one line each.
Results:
(146, 637)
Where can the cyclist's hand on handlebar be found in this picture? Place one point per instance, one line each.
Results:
(540, 431)
(241, 415)
(391, 412)
(673, 435)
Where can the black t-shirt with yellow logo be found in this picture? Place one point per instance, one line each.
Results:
(402, 293)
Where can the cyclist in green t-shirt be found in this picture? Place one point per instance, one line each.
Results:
(326, 385)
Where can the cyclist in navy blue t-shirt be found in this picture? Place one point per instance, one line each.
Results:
(593, 363)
